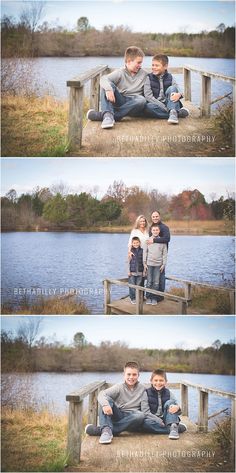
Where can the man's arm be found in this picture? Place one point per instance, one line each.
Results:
(148, 94)
(165, 235)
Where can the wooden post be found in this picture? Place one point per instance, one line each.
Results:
(184, 399)
(233, 416)
(94, 92)
(107, 297)
(188, 291)
(76, 116)
(93, 408)
(139, 301)
(75, 431)
(187, 84)
(203, 411)
(206, 96)
(182, 305)
(232, 302)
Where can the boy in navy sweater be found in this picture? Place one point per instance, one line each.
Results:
(160, 408)
(136, 268)
(162, 93)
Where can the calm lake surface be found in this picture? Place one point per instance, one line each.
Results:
(53, 263)
(53, 73)
(50, 389)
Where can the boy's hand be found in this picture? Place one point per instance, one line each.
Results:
(175, 96)
(129, 273)
(110, 96)
(130, 254)
(173, 409)
(150, 241)
(107, 410)
(162, 267)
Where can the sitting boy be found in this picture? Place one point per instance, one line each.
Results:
(136, 268)
(160, 408)
(120, 406)
(162, 93)
(154, 261)
(122, 91)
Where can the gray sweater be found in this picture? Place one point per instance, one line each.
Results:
(125, 398)
(155, 254)
(126, 83)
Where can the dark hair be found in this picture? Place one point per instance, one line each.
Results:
(157, 211)
(132, 364)
(161, 58)
(135, 238)
(132, 52)
(155, 225)
(159, 372)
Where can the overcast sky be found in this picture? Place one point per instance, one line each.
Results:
(141, 16)
(137, 332)
(168, 175)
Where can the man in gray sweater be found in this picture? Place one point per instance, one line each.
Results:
(154, 261)
(120, 406)
(122, 91)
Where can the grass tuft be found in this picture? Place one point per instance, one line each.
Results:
(45, 306)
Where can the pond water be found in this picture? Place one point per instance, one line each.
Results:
(53, 73)
(53, 263)
(50, 389)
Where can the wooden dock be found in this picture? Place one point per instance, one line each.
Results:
(134, 452)
(140, 137)
(171, 305)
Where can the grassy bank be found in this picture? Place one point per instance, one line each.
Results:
(207, 301)
(46, 306)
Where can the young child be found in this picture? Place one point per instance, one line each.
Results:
(162, 93)
(122, 91)
(120, 406)
(136, 268)
(154, 260)
(160, 408)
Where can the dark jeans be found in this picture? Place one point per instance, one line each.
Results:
(124, 105)
(121, 420)
(153, 110)
(152, 426)
(137, 281)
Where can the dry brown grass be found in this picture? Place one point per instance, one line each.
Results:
(55, 305)
(206, 300)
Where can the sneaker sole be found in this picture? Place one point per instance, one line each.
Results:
(106, 442)
(107, 126)
(173, 122)
(173, 438)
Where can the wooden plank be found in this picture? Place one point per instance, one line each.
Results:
(80, 80)
(75, 116)
(203, 411)
(93, 408)
(194, 283)
(232, 429)
(95, 92)
(139, 302)
(107, 296)
(79, 395)
(205, 107)
(166, 295)
(184, 399)
(74, 438)
(213, 75)
(187, 84)
(232, 302)
(218, 392)
(188, 291)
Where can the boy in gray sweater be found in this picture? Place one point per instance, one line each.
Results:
(154, 261)
(120, 406)
(122, 91)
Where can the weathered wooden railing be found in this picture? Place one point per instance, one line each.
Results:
(77, 86)
(75, 421)
(206, 102)
(182, 301)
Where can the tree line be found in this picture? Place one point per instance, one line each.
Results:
(26, 352)
(56, 208)
(31, 37)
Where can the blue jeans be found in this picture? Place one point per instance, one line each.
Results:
(153, 110)
(153, 280)
(137, 281)
(124, 105)
(152, 426)
(121, 420)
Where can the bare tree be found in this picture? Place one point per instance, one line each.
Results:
(29, 329)
(32, 14)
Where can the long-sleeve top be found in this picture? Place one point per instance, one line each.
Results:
(145, 408)
(155, 255)
(127, 399)
(137, 233)
(149, 96)
(126, 83)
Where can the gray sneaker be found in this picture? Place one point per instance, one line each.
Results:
(182, 428)
(106, 436)
(133, 301)
(174, 433)
(108, 120)
(148, 301)
(183, 112)
(94, 116)
(91, 429)
(154, 302)
(173, 117)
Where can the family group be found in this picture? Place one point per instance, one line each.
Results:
(132, 407)
(131, 91)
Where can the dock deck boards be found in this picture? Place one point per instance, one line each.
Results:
(143, 452)
(124, 306)
(138, 137)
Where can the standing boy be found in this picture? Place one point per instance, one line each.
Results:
(162, 93)
(161, 408)
(136, 268)
(164, 237)
(120, 406)
(122, 91)
(154, 260)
